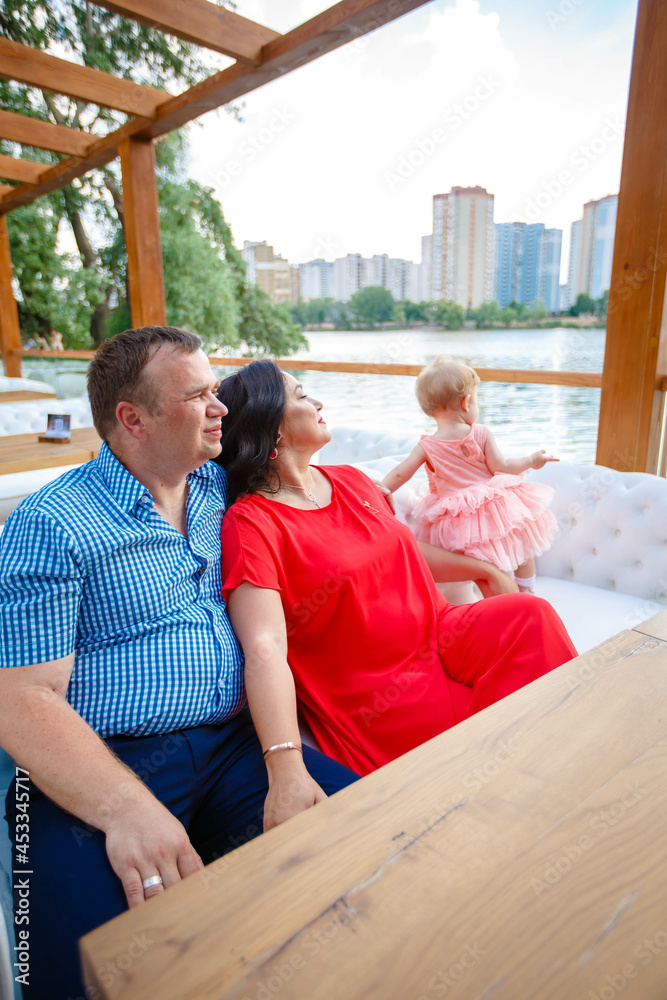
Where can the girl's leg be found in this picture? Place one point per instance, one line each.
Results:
(524, 576)
(499, 645)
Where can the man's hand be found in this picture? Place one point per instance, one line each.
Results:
(146, 840)
(291, 789)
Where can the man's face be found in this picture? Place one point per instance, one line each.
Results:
(186, 424)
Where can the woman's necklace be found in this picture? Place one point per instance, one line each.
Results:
(308, 490)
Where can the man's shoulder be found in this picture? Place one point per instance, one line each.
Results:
(64, 495)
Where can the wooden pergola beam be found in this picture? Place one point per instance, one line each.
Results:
(635, 359)
(10, 332)
(201, 23)
(142, 233)
(15, 169)
(39, 69)
(340, 24)
(44, 135)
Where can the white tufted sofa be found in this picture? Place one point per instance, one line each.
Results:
(607, 569)
(29, 417)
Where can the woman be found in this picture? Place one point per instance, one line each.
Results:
(335, 607)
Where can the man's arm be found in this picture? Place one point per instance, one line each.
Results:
(69, 762)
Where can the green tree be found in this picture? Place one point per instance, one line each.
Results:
(509, 316)
(85, 295)
(487, 314)
(372, 305)
(584, 304)
(447, 313)
(602, 304)
(536, 311)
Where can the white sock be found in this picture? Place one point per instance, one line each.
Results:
(525, 581)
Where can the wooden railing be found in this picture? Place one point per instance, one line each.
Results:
(592, 380)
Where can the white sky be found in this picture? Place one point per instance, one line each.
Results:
(542, 83)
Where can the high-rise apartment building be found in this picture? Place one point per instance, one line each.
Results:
(463, 246)
(527, 264)
(548, 287)
(346, 275)
(274, 274)
(591, 249)
(316, 279)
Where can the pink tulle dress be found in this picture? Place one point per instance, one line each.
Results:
(498, 518)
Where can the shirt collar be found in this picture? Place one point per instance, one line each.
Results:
(127, 490)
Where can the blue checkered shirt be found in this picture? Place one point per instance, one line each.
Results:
(89, 566)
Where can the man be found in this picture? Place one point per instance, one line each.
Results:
(123, 698)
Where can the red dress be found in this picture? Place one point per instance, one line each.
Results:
(381, 661)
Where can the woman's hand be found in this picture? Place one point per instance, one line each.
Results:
(291, 788)
(495, 581)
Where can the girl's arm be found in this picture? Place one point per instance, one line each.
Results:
(257, 618)
(497, 462)
(406, 470)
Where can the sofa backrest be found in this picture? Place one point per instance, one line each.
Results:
(612, 526)
(29, 416)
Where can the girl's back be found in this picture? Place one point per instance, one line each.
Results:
(455, 465)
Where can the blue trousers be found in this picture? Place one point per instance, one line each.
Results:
(212, 778)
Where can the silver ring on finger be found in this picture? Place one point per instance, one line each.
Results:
(153, 880)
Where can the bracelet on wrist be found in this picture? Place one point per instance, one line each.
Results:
(283, 746)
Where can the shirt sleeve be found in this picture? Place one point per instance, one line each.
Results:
(41, 584)
(247, 556)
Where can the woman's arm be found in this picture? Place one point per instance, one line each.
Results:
(450, 567)
(257, 618)
(406, 469)
(497, 462)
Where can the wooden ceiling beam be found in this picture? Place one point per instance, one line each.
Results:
(15, 169)
(43, 135)
(201, 23)
(39, 69)
(342, 23)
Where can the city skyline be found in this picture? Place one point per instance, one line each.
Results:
(343, 156)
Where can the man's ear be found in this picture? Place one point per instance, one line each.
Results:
(465, 402)
(131, 419)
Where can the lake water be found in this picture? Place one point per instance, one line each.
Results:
(523, 417)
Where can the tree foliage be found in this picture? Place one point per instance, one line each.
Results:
(83, 294)
(372, 305)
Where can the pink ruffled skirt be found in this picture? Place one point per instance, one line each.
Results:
(504, 521)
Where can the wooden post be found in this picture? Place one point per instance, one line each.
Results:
(10, 332)
(142, 233)
(636, 348)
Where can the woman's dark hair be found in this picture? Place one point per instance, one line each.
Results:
(255, 398)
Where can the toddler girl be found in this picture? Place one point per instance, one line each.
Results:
(478, 503)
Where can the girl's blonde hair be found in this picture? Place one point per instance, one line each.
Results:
(443, 383)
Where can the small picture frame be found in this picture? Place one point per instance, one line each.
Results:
(57, 428)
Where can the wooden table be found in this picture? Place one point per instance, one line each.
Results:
(19, 395)
(520, 856)
(23, 452)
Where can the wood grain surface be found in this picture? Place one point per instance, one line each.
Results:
(520, 855)
(23, 452)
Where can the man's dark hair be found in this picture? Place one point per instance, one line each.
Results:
(116, 373)
(255, 398)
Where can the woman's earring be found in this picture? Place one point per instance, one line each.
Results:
(274, 453)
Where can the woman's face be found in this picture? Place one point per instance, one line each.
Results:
(302, 425)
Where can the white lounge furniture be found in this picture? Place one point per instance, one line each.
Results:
(607, 569)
